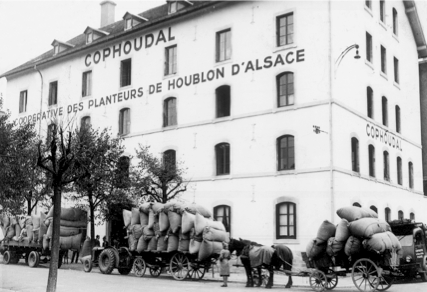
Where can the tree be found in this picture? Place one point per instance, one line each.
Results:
(158, 179)
(61, 158)
(22, 183)
(100, 188)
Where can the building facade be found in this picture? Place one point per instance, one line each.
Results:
(265, 103)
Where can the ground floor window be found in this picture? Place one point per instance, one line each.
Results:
(222, 213)
(286, 226)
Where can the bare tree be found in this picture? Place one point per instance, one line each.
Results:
(62, 159)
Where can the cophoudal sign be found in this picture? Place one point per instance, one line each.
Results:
(232, 69)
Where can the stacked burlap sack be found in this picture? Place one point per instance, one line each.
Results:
(73, 224)
(359, 231)
(34, 228)
(172, 227)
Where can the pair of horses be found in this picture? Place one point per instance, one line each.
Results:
(254, 255)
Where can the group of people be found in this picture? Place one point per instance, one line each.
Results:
(75, 256)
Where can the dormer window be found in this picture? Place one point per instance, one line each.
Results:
(132, 20)
(89, 37)
(93, 34)
(59, 47)
(176, 5)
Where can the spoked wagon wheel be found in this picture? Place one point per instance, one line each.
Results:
(139, 267)
(155, 271)
(385, 282)
(197, 271)
(179, 266)
(365, 275)
(331, 279)
(317, 281)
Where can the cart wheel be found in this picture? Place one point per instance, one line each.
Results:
(33, 259)
(317, 281)
(155, 271)
(197, 271)
(139, 267)
(7, 257)
(331, 279)
(87, 265)
(384, 283)
(179, 266)
(365, 275)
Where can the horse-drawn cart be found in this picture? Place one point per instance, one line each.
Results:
(181, 265)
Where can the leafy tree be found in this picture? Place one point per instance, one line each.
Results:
(22, 183)
(62, 159)
(158, 179)
(101, 186)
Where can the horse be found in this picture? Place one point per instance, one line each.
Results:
(270, 257)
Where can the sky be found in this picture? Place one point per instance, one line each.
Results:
(28, 28)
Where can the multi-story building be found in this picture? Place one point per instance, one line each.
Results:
(283, 112)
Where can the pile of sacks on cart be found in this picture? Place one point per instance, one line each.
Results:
(359, 232)
(174, 227)
(37, 229)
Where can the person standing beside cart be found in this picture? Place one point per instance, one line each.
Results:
(224, 267)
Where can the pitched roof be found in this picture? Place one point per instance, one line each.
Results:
(115, 30)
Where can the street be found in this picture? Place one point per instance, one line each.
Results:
(72, 278)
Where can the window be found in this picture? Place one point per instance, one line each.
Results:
(383, 60)
(222, 153)
(285, 89)
(371, 151)
(50, 132)
(169, 112)
(222, 101)
(223, 45)
(411, 175)
(395, 30)
(357, 205)
(125, 73)
(222, 214)
(399, 170)
(373, 208)
(368, 4)
(169, 159)
(285, 153)
(174, 6)
(53, 93)
(355, 154)
(23, 101)
(370, 102)
(87, 84)
(170, 63)
(89, 37)
(400, 215)
(55, 49)
(128, 23)
(122, 172)
(412, 216)
(396, 70)
(386, 166)
(382, 10)
(286, 223)
(369, 47)
(285, 29)
(124, 121)
(385, 111)
(85, 122)
(387, 213)
(398, 119)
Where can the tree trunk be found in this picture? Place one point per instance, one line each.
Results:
(54, 253)
(29, 209)
(92, 220)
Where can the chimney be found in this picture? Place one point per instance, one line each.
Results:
(107, 12)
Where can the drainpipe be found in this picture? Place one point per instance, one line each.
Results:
(331, 159)
(41, 97)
